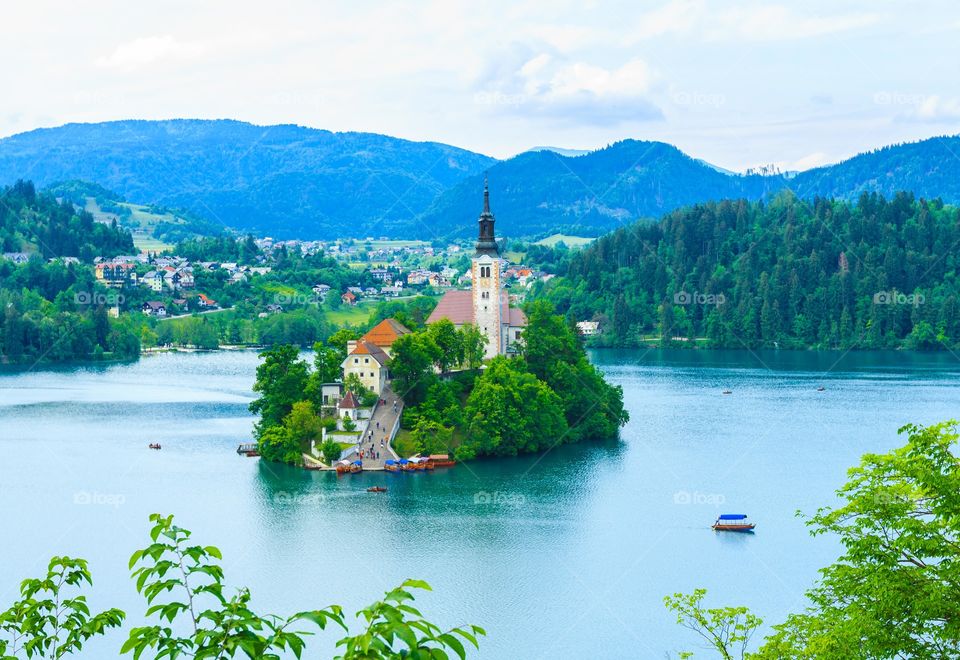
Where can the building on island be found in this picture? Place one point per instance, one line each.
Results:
(485, 304)
(368, 356)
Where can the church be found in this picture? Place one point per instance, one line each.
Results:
(486, 304)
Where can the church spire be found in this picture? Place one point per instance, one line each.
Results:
(486, 241)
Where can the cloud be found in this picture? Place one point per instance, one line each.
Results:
(145, 51)
(753, 22)
(935, 108)
(547, 85)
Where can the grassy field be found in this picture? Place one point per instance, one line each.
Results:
(570, 241)
(145, 243)
(347, 315)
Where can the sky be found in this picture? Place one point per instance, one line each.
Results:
(740, 84)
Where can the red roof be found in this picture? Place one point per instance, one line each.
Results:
(385, 333)
(349, 401)
(458, 307)
(371, 349)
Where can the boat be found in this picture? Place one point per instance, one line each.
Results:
(821, 388)
(356, 466)
(733, 522)
(154, 445)
(404, 465)
(727, 392)
(441, 460)
(377, 489)
(343, 467)
(391, 465)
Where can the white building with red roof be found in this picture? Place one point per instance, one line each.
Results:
(485, 304)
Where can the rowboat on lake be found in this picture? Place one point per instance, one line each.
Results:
(377, 489)
(733, 522)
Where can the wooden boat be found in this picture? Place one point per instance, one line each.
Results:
(154, 445)
(355, 467)
(733, 522)
(727, 392)
(821, 388)
(441, 460)
(377, 489)
(391, 465)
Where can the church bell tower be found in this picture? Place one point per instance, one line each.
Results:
(487, 291)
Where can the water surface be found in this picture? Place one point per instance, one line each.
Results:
(563, 555)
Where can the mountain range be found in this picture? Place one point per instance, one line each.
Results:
(292, 181)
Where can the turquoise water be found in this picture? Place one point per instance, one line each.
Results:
(567, 555)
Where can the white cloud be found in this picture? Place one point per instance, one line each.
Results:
(935, 108)
(145, 51)
(571, 91)
(752, 22)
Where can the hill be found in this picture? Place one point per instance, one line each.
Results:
(290, 181)
(282, 180)
(789, 274)
(543, 192)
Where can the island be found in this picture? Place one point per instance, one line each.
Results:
(481, 378)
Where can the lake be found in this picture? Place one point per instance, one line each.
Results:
(563, 555)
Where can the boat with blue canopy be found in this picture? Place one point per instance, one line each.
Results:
(733, 522)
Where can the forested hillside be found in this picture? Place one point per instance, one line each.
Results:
(543, 192)
(52, 310)
(38, 223)
(828, 274)
(288, 181)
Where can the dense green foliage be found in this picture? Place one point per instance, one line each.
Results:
(290, 402)
(51, 310)
(895, 590)
(878, 274)
(549, 395)
(38, 223)
(284, 181)
(195, 614)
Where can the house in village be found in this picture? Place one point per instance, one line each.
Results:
(154, 308)
(369, 356)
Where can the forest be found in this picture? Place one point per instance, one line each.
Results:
(787, 273)
(53, 310)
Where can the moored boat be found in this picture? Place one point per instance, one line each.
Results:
(356, 466)
(391, 465)
(441, 460)
(733, 522)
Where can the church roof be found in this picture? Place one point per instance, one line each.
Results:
(457, 306)
(385, 333)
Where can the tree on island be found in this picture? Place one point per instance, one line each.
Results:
(281, 380)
